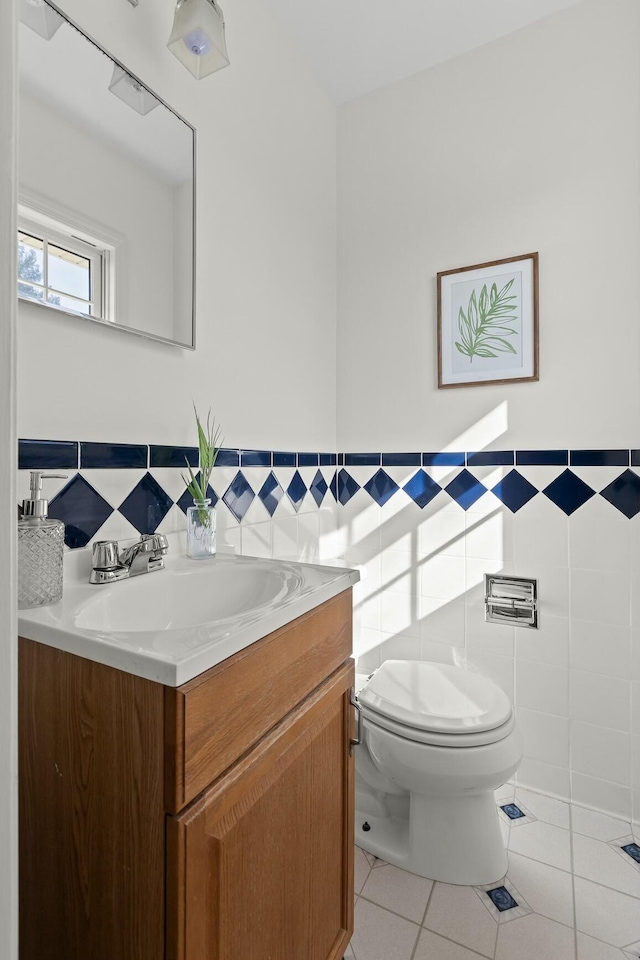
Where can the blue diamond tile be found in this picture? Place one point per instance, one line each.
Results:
(239, 496)
(271, 494)
(632, 850)
(147, 505)
(512, 811)
(381, 487)
(568, 492)
(514, 491)
(502, 899)
(422, 489)
(81, 509)
(465, 489)
(333, 486)
(296, 491)
(347, 487)
(186, 500)
(318, 488)
(624, 493)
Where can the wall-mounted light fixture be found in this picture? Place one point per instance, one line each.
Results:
(198, 38)
(131, 92)
(40, 17)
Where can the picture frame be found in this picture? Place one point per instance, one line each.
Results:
(488, 323)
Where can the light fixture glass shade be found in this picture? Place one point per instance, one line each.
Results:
(197, 38)
(40, 17)
(131, 92)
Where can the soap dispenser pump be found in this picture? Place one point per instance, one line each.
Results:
(40, 547)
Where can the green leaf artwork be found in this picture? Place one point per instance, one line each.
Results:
(483, 328)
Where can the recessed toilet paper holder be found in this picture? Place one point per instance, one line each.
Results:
(511, 600)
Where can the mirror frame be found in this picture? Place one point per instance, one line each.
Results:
(97, 320)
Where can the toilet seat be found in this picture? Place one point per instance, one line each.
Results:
(436, 704)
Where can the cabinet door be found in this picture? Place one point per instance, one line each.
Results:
(261, 866)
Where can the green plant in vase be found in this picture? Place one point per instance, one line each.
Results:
(201, 517)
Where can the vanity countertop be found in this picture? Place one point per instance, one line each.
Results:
(171, 625)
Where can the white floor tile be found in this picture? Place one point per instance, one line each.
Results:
(433, 947)
(457, 913)
(597, 825)
(545, 808)
(547, 890)
(544, 842)
(590, 949)
(349, 955)
(533, 937)
(606, 914)
(596, 861)
(399, 891)
(380, 935)
(361, 868)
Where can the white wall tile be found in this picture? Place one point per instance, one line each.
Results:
(255, 539)
(498, 669)
(549, 643)
(486, 637)
(442, 621)
(541, 534)
(544, 777)
(611, 798)
(443, 578)
(635, 707)
(601, 700)
(542, 687)
(600, 648)
(601, 596)
(490, 537)
(442, 533)
(601, 753)
(400, 646)
(399, 613)
(599, 544)
(546, 738)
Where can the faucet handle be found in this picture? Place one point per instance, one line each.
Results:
(157, 542)
(105, 555)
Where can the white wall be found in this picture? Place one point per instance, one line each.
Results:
(8, 630)
(530, 143)
(266, 220)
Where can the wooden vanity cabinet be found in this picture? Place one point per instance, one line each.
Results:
(212, 821)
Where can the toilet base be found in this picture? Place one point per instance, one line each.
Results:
(452, 839)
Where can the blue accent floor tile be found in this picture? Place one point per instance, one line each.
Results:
(362, 459)
(599, 458)
(502, 899)
(465, 489)
(381, 487)
(161, 455)
(228, 457)
(624, 493)
(239, 496)
(114, 456)
(422, 489)
(445, 459)
(514, 491)
(271, 493)
(401, 459)
(542, 458)
(632, 850)
(47, 455)
(147, 505)
(568, 492)
(318, 488)
(296, 491)
(186, 500)
(308, 459)
(255, 458)
(81, 509)
(282, 459)
(347, 487)
(512, 811)
(490, 458)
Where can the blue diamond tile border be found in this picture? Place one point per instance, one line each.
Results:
(568, 492)
(624, 493)
(239, 496)
(465, 489)
(147, 505)
(296, 491)
(186, 500)
(514, 491)
(318, 488)
(422, 489)
(271, 493)
(347, 487)
(81, 509)
(381, 487)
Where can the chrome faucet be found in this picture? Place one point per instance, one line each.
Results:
(110, 563)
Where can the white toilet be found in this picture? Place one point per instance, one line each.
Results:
(437, 740)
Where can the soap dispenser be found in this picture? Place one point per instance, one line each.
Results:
(40, 546)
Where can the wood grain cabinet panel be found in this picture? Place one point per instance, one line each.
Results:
(260, 866)
(114, 865)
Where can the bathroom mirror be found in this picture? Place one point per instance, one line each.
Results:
(106, 187)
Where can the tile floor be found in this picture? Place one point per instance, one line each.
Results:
(570, 893)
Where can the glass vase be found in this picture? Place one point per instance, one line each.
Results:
(201, 530)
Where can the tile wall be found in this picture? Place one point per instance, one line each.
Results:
(424, 528)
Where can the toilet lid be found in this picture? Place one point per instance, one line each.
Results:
(435, 697)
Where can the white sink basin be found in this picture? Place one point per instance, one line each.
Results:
(174, 624)
(205, 592)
